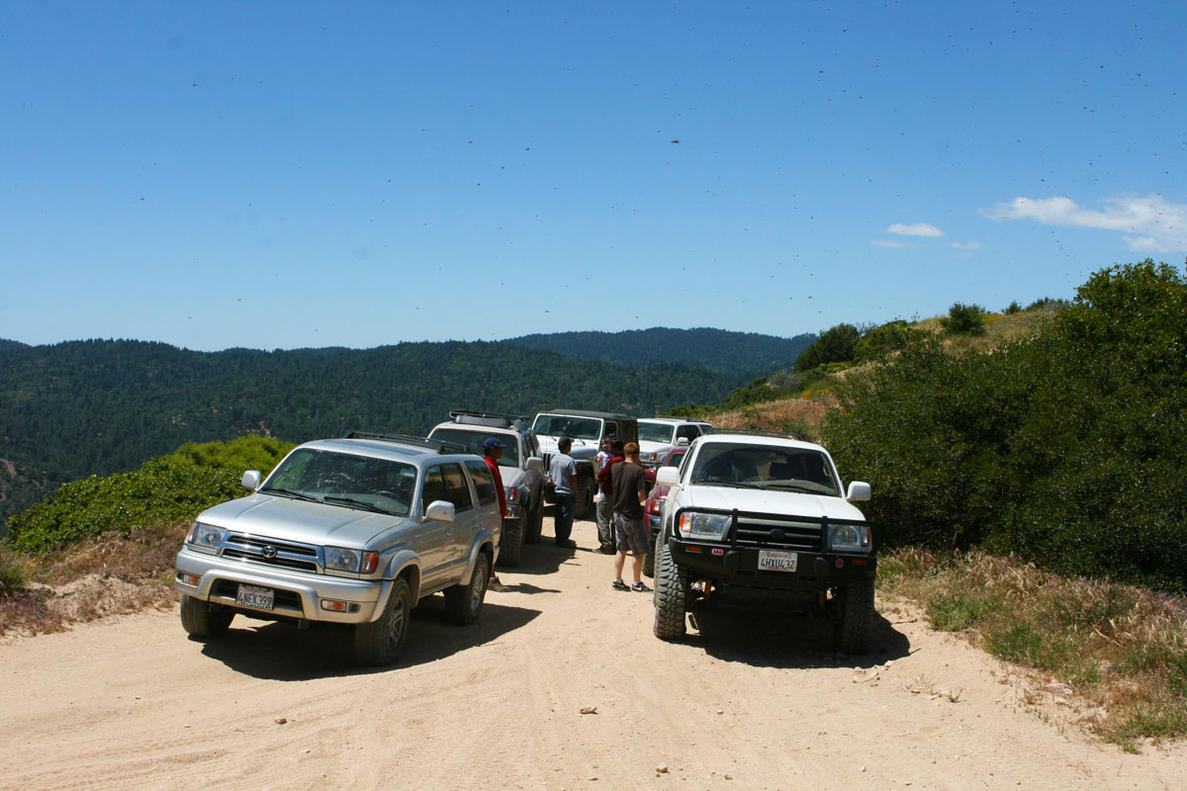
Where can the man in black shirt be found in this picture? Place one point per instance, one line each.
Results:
(629, 490)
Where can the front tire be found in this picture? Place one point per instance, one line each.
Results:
(511, 542)
(671, 594)
(379, 642)
(855, 616)
(202, 619)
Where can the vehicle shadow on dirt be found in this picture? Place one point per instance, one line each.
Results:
(282, 652)
(779, 640)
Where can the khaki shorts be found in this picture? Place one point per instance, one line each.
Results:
(630, 535)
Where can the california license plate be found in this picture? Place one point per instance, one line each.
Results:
(254, 596)
(773, 560)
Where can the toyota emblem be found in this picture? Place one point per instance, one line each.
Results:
(269, 552)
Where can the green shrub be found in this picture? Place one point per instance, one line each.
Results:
(964, 320)
(166, 489)
(1063, 448)
(879, 342)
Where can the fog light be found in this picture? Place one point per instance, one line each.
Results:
(188, 579)
(335, 606)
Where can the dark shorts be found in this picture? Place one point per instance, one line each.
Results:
(630, 535)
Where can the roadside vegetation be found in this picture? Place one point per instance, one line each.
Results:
(1026, 467)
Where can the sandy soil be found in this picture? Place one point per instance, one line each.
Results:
(746, 702)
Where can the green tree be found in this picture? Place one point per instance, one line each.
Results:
(834, 345)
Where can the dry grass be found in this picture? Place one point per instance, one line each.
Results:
(1120, 649)
(91, 580)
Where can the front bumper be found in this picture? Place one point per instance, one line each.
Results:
(738, 567)
(298, 595)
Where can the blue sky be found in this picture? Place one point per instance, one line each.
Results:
(299, 174)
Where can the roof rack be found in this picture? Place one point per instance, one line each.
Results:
(440, 446)
(495, 419)
(758, 432)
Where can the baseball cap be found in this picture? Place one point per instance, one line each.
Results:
(492, 442)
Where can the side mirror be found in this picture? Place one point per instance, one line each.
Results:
(859, 492)
(251, 480)
(535, 463)
(667, 476)
(439, 511)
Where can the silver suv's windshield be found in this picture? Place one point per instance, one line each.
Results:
(656, 432)
(472, 439)
(344, 479)
(568, 426)
(765, 467)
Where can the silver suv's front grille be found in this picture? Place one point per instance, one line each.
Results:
(272, 553)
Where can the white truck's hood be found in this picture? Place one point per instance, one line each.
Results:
(769, 501)
(581, 447)
(301, 521)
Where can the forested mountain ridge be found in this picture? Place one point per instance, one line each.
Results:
(740, 354)
(79, 408)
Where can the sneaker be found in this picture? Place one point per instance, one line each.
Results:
(495, 584)
(640, 587)
(619, 585)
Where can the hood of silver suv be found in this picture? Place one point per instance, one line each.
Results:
(300, 521)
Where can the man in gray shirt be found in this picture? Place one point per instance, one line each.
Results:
(564, 479)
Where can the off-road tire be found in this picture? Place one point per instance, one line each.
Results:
(379, 642)
(463, 603)
(671, 593)
(202, 619)
(855, 616)
(511, 542)
(531, 534)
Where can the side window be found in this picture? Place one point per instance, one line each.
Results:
(483, 482)
(687, 432)
(611, 430)
(457, 491)
(434, 488)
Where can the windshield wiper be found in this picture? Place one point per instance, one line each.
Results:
(794, 487)
(291, 493)
(350, 501)
(736, 484)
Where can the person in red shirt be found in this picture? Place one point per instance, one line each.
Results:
(492, 450)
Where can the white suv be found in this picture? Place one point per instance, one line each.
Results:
(348, 532)
(658, 435)
(520, 466)
(758, 518)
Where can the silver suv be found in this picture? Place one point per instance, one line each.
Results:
(520, 466)
(350, 532)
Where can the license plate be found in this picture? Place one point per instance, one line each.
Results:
(253, 596)
(771, 560)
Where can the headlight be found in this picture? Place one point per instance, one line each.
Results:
(350, 560)
(206, 538)
(338, 559)
(704, 526)
(849, 538)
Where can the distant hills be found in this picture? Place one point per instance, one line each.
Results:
(740, 354)
(78, 408)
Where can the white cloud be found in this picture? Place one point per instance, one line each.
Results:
(1149, 223)
(966, 245)
(918, 229)
(887, 243)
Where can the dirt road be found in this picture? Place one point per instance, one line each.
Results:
(743, 703)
